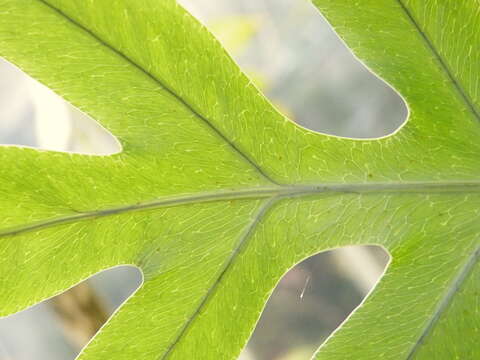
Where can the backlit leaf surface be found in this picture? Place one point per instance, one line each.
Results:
(215, 194)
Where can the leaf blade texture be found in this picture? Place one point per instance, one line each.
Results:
(216, 194)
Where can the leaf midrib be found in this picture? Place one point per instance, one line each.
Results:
(275, 189)
(282, 191)
(443, 63)
(365, 189)
(167, 88)
(445, 301)
(274, 192)
(241, 244)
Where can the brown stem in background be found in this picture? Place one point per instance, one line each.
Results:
(81, 312)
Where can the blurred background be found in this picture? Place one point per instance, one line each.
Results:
(293, 55)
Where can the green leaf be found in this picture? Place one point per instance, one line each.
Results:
(215, 194)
